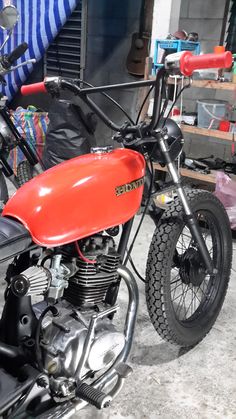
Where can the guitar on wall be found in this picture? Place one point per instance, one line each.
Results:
(141, 41)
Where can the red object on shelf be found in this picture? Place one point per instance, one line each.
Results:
(218, 49)
(175, 111)
(189, 62)
(224, 126)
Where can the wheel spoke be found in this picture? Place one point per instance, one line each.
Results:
(185, 290)
(173, 279)
(176, 290)
(188, 309)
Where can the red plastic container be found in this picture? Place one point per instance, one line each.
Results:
(224, 126)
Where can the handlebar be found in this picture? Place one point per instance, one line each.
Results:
(17, 53)
(6, 61)
(189, 62)
(31, 89)
(184, 62)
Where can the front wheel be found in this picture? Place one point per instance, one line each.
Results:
(182, 299)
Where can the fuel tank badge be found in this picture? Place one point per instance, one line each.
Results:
(128, 187)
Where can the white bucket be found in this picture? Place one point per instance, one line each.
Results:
(210, 112)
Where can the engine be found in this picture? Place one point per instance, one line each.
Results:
(64, 343)
(89, 285)
(82, 324)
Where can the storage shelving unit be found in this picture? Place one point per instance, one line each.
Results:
(226, 136)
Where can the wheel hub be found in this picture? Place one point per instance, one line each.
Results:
(191, 269)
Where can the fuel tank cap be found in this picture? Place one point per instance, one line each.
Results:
(102, 150)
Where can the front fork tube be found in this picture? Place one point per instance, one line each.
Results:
(30, 156)
(190, 216)
(8, 172)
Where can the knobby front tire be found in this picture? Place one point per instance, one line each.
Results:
(182, 300)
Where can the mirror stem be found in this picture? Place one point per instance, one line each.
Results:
(6, 39)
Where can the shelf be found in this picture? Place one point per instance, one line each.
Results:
(228, 136)
(210, 178)
(208, 84)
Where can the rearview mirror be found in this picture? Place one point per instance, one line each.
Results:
(8, 17)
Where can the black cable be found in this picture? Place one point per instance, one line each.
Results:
(111, 100)
(143, 215)
(38, 352)
(173, 104)
(135, 270)
(144, 101)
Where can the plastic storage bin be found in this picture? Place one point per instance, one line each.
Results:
(173, 45)
(210, 112)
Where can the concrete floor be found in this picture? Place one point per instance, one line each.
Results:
(167, 382)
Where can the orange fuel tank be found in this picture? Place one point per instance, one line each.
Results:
(80, 197)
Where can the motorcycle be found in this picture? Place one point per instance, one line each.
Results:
(60, 346)
(10, 136)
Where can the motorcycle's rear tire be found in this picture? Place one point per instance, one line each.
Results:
(162, 260)
(24, 172)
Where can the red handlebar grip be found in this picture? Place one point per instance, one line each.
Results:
(189, 62)
(31, 89)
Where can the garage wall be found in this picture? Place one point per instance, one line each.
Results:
(204, 17)
(110, 27)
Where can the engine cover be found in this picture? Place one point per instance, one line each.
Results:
(64, 338)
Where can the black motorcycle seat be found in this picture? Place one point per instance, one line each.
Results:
(14, 238)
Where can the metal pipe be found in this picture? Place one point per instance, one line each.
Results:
(10, 352)
(90, 336)
(124, 238)
(71, 408)
(157, 99)
(131, 284)
(97, 89)
(190, 216)
(100, 113)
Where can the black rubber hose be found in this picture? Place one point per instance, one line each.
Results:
(38, 352)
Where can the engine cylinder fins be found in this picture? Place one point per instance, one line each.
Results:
(33, 281)
(80, 296)
(90, 284)
(109, 263)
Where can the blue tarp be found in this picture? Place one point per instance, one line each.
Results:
(39, 23)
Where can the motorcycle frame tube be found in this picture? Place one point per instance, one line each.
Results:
(123, 243)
